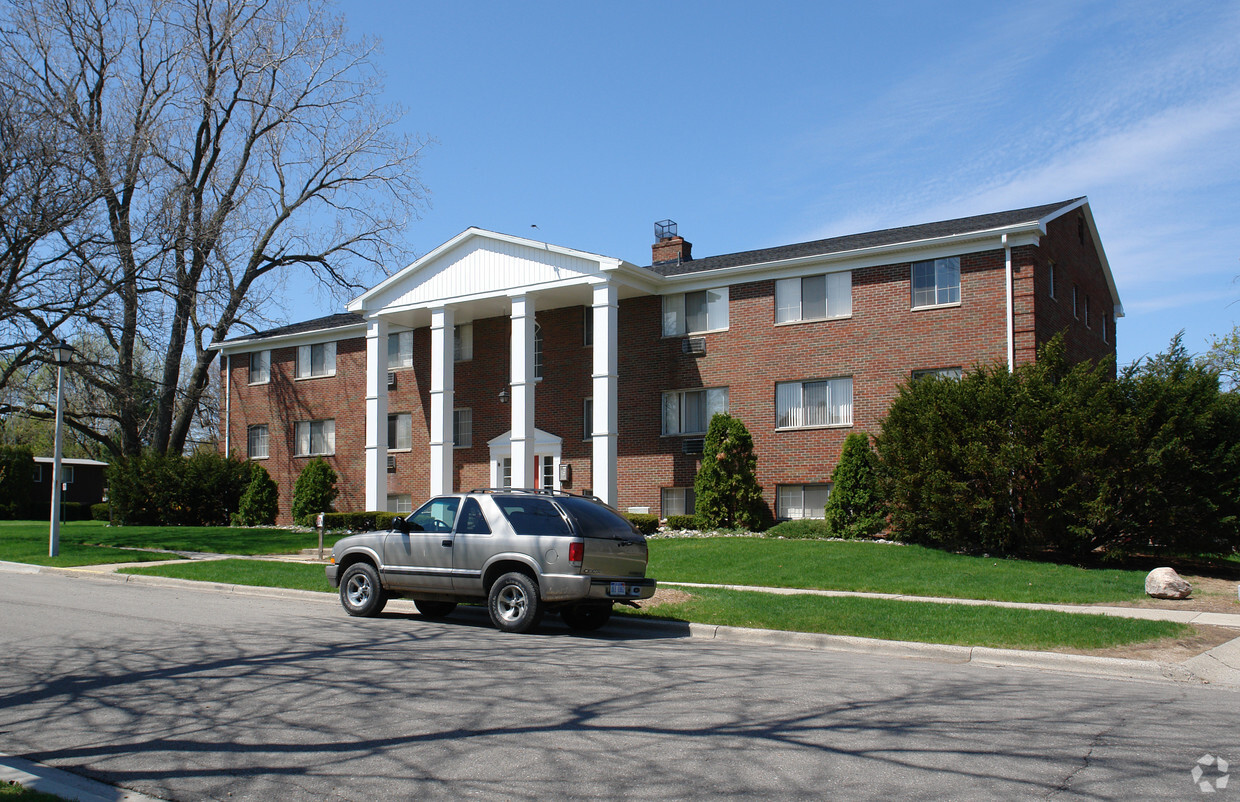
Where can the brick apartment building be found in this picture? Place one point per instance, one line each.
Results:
(496, 360)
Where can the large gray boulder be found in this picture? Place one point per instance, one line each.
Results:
(1165, 583)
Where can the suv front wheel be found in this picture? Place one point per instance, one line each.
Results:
(360, 592)
(514, 604)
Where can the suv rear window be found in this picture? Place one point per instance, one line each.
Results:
(595, 520)
(532, 516)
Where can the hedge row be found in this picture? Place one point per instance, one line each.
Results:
(355, 521)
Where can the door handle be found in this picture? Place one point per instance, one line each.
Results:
(447, 543)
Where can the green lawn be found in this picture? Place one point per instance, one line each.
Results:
(871, 618)
(880, 568)
(81, 541)
(924, 622)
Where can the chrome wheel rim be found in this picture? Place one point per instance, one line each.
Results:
(358, 590)
(511, 603)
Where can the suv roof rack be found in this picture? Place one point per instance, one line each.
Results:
(533, 491)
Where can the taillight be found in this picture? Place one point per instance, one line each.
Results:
(575, 552)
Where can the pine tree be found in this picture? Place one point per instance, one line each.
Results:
(855, 507)
(726, 488)
(315, 489)
(260, 501)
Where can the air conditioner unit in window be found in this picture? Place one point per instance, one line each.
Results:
(391, 380)
(391, 463)
(693, 345)
(693, 445)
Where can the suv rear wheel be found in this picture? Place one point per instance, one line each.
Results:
(514, 604)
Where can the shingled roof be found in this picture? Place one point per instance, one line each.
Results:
(871, 239)
(336, 321)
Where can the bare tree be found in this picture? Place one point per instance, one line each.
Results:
(227, 142)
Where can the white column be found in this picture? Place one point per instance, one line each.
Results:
(376, 414)
(442, 399)
(606, 384)
(522, 390)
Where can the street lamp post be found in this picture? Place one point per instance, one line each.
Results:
(61, 352)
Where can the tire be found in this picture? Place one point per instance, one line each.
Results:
(586, 617)
(434, 609)
(514, 604)
(360, 591)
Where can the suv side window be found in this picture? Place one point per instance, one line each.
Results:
(473, 522)
(533, 516)
(436, 515)
(595, 520)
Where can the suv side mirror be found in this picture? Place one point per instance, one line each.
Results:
(399, 525)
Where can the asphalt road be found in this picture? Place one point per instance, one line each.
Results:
(188, 694)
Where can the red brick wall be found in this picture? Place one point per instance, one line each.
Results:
(878, 346)
(1076, 264)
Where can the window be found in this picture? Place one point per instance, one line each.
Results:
(815, 403)
(436, 515)
(803, 501)
(472, 521)
(66, 474)
(1076, 291)
(1050, 274)
(260, 367)
(677, 501)
(400, 503)
(1107, 322)
(587, 422)
(690, 411)
(505, 472)
(463, 427)
(813, 297)
(463, 342)
(589, 326)
(940, 373)
(315, 437)
(533, 516)
(38, 473)
(1087, 312)
(400, 350)
(316, 360)
(547, 480)
(256, 441)
(400, 431)
(692, 312)
(936, 282)
(538, 351)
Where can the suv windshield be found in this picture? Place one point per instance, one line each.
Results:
(595, 520)
(532, 516)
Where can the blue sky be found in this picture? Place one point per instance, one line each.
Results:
(754, 125)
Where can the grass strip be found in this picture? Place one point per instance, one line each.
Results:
(923, 622)
(966, 625)
(884, 568)
(26, 541)
(260, 573)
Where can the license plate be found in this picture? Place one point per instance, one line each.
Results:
(618, 589)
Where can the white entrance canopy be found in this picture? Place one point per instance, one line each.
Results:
(480, 274)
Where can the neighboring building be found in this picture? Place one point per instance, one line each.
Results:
(497, 360)
(82, 480)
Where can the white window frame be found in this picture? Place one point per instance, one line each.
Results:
(588, 327)
(713, 301)
(265, 437)
(463, 427)
(38, 473)
(400, 350)
(1076, 305)
(66, 474)
(260, 367)
(463, 342)
(304, 436)
(797, 412)
(1051, 281)
(400, 424)
(400, 503)
(943, 373)
(1087, 312)
(791, 503)
(546, 469)
(945, 289)
(791, 305)
(587, 420)
(676, 404)
(538, 351)
(677, 501)
(306, 359)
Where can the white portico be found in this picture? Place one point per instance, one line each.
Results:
(481, 274)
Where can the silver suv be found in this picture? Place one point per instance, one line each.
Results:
(525, 552)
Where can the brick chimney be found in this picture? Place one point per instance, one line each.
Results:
(669, 246)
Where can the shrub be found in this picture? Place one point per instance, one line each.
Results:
(645, 523)
(315, 489)
(171, 490)
(356, 521)
(260, 501)
(16, 481)
(726, 490)
(101, 511)
(682, 522)
(801, 529)
(855, 507)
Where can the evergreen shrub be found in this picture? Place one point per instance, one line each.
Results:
(315, 489)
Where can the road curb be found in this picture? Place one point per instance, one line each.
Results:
(38, 777)
(1220, 667)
